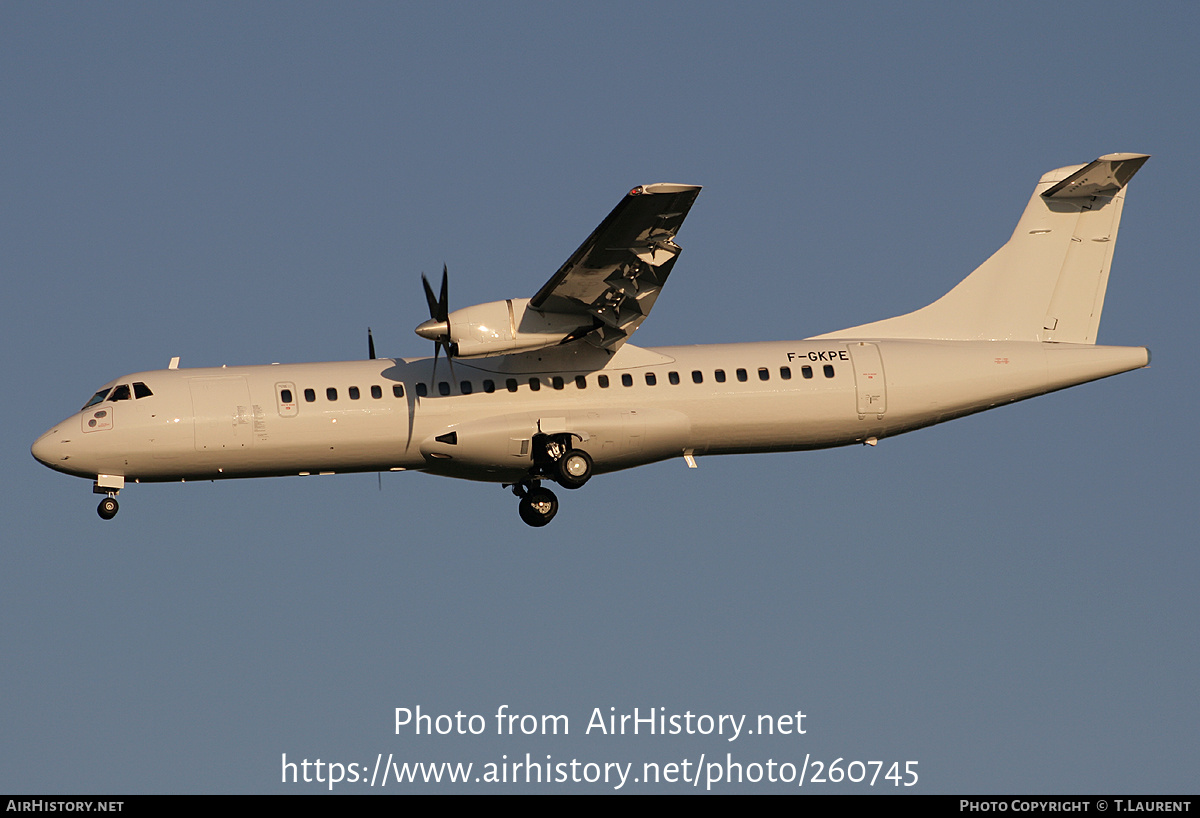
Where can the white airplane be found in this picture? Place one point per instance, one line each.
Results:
(548, 389)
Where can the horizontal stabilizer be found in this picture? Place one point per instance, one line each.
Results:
(1107, 174)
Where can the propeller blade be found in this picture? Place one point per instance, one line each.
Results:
(370, 345)
(437, 348)
(429, 298)
(444, 298)
(438, 326)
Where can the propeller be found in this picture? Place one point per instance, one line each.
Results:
(370, 345)
(437, 328)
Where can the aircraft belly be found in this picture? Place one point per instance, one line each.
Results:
(774, 421)
(343, 443)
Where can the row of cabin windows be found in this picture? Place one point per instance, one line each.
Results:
(331, 393)
(557, 382)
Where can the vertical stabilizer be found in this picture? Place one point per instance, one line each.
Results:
(1048, 282)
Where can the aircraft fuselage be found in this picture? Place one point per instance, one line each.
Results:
(388, 414)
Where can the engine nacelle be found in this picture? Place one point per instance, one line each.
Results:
(500, 328)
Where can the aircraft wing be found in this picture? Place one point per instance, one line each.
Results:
(614, 278)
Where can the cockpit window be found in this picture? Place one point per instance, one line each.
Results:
(120, 393)
(96, 398)
(140, 390)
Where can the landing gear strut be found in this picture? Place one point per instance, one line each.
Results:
(108, 508)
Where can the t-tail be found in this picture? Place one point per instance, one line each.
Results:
(1048, 282)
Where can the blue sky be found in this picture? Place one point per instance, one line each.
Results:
(1008, 599)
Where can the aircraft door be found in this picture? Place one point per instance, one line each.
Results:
(869, 380)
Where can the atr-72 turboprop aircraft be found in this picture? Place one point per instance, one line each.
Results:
(547, 389)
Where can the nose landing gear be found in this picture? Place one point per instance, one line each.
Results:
(108, 507)
(108, 485)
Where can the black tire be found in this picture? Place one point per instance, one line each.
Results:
(573, 469)
(108, 508)
(538, 507)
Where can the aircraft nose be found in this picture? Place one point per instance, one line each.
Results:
(47, 448)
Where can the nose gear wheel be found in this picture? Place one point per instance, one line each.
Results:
(108, 508)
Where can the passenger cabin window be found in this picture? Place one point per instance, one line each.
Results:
(354, 393)
(764, 374)
(806, 371)
(785, 372)
(377, 391)
(602, 381)
(465, 387)
(742, 376)
(120, 393)
(331, 393)
(310, 395)
(828, 370)
(535, 384)
(580, 382)
(397, 390)
(285, 395)
(697, 376)
(510, 384)
(489, 386)
(673, 377)
(556, 382)
(626, 380)
(719, 375)
(443, 388)
(140, 390)
(651, 379)
(422, 390)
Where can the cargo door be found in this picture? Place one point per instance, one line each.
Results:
(223, 415)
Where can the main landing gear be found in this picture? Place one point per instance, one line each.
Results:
(538, 505)
(554, 459)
